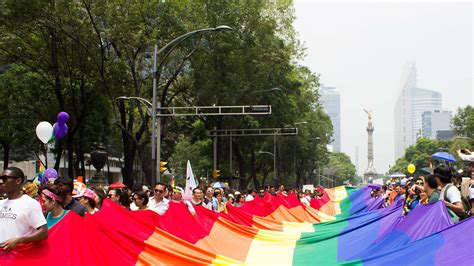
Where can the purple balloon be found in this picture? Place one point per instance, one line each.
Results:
(50, 173)
(63, 117)
(59, 131)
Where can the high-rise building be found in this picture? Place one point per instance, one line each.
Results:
(435, 121)
(409, 107)
(331, 101)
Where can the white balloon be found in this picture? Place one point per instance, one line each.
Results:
(44, 131)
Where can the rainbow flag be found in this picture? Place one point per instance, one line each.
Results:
(267, 231)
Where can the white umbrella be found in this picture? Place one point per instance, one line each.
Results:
(398, 175)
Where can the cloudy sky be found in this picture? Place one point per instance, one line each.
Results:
(361, 48)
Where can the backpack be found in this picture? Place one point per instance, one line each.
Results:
(465, 203)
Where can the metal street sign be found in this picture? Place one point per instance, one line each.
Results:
(215, 110)
(253, 132)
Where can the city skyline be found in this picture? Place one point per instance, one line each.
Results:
(409, 107)
(361, 48)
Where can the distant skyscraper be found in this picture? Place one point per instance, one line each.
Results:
(331, 101)
(411, 103)
(434, 121)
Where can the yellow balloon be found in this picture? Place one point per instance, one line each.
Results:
(411, 168)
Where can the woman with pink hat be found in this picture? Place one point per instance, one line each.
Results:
(87, 198)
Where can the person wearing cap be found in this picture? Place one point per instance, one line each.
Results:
(21, 218)
(177, 197)
(52, 198)
(87, 198)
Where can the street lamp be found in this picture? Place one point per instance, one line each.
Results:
(317, 139)
(156, 121)
(147, 103)
(274, 164)
(294, 146)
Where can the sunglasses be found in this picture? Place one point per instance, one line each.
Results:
(159, 191)
(5, 177)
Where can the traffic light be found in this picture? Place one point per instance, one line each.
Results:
(163, 166)
(216, 173)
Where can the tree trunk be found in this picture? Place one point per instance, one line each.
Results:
(6, 155)
(59, 153)
(128, 149)
(265, 174)
(253, 170)
(241, 163)
(70, 155)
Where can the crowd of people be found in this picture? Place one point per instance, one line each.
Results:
(28, 211)
(456, 189)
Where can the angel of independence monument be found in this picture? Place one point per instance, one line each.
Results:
(370, 174)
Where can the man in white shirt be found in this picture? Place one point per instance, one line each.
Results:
(21, 219)
(250, 195)
(159, 203)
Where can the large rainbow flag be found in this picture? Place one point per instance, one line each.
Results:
(345, 226)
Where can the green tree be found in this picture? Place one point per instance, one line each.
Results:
(340, 168)
(463, 123)
(419, 155)
(79, 56)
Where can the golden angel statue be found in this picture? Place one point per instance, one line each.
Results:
(369, 113)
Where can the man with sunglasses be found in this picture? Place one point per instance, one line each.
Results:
(21, 219)
(159, 203)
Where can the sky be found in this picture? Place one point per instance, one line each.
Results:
(361, 48)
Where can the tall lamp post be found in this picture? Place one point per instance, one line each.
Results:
(294, 147)
(156, 121)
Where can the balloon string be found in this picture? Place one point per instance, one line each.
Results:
(46, 155)
(37, 157)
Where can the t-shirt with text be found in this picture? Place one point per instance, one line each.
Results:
(19, 217)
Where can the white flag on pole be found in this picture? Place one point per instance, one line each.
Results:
(190, 181)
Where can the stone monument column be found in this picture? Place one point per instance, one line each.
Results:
(370, 173)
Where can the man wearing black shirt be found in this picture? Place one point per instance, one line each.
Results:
(70, 203)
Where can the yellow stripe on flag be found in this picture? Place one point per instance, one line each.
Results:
(272, 248)
(221, 261)
(340, 193)
(297, 228)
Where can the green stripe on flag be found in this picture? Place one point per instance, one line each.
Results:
(319, 247)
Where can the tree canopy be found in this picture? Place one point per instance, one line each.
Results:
(81, 56)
